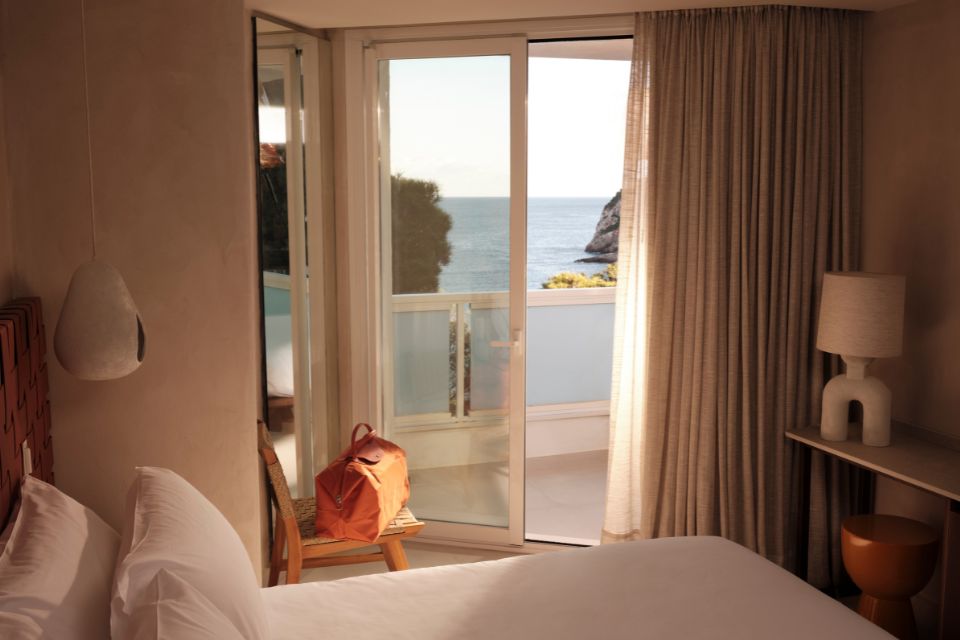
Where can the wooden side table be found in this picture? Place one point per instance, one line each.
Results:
(891, 559)
(913, 458)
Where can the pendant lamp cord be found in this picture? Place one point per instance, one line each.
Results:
(86, 101)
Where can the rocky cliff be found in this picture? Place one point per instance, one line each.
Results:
(606, 238)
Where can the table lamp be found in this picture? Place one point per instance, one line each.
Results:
(861, 318)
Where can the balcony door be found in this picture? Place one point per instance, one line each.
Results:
(451, 161)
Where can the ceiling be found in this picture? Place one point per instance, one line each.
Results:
(618, 49)
(365, 13)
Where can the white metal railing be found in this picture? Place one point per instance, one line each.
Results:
(405, 302)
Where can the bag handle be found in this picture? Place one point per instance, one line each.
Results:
(353, 436)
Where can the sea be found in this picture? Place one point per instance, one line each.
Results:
(557, 231)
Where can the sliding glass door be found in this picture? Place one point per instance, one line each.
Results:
(450, 128)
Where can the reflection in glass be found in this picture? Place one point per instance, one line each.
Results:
(273, 169)
(282, 215)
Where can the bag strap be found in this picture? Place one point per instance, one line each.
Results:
(353, 436)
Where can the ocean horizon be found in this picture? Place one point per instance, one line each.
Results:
(558, 229)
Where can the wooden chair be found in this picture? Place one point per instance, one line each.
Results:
(295, 529)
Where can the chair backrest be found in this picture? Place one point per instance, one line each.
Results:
(281, 490)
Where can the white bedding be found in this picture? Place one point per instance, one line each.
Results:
(683, 588)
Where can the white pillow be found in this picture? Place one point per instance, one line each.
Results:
(172, 609)
(57, 568)
(170, 525)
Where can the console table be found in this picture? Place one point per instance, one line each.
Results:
(922, 460)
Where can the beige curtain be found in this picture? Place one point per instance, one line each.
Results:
(741, 187)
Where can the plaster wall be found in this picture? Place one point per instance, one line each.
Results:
(6, 219)
(173, 157)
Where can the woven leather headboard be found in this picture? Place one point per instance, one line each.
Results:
(24, 408)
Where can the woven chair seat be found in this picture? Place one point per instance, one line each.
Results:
(306, 512)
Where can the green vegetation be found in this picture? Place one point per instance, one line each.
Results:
(419, 229)
(570, 280)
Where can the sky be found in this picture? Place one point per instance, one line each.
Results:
(450, 123)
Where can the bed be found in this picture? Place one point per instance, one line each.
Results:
(689, 588)
(180, 571)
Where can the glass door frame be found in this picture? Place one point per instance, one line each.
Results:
(516, 49)
(287, 56)
(307, 57)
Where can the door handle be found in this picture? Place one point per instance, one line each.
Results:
(507, 344)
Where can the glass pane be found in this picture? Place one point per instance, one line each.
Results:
(282, 213)
(576, 110)
(423, 345)
(445, 163)
(275, 248)
(489, 366)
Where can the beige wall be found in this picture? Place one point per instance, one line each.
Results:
(912, 198)
(172, 143)
(911, 219)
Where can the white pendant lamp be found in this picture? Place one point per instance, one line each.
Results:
(99, 334)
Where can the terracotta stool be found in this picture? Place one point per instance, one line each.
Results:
(891, 559)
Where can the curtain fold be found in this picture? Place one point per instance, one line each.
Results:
(741, 187)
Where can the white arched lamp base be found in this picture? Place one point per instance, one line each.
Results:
(871, 393)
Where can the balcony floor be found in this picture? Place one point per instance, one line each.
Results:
(565, 497)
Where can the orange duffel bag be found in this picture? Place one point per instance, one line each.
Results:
(362, 491)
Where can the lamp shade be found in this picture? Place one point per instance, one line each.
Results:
(861, 314)
(99, 334)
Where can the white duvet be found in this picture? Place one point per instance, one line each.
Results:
(683, 588)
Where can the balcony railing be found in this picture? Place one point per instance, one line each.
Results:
(441, 370)
(569, 345)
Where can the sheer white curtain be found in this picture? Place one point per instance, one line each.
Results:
(624, 486)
